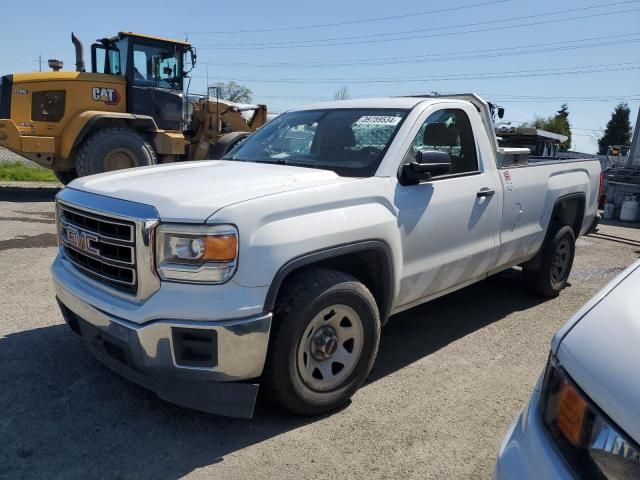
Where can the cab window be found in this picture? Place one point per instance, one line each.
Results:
(447, 131)
(107, 61)
(155, 66)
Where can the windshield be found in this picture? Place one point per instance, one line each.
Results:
(351, 142)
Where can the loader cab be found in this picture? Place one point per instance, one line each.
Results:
(154, 68)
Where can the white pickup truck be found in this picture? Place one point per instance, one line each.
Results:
(278, 265)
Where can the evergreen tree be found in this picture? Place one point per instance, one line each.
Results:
(618, 131)
(563, 112)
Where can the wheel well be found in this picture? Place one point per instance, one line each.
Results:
(370, 265)
(569, 210)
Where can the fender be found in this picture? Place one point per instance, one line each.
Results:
(379, 246)
(81, 125)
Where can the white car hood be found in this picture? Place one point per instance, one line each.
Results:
(193, 191)
(602, 352)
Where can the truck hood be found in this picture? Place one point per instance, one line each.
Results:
(193, 191)
(601, 352)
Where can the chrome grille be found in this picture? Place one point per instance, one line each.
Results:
(99, 246)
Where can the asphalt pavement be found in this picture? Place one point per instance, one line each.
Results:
(450, 377)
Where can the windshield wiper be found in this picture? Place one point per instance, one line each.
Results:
(277, 161)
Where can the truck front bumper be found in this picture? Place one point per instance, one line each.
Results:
(189, 363)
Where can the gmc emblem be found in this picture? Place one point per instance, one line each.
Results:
(82, 240)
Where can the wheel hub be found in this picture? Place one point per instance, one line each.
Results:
(329, 348)
(324, 343)
(119, 159)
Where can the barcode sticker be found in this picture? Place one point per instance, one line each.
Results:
(378, 120)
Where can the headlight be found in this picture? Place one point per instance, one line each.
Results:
(592, 444)
(197, 254)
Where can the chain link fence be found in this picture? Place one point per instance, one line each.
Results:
(7, 156)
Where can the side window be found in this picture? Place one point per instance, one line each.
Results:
(141, 68)
(107, 61)
(447, 131)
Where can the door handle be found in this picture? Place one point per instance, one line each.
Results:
(486, 192)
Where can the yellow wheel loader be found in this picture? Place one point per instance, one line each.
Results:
(130, 110)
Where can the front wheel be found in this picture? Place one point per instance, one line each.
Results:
(113, 149)
(551, 276)
(324, 340)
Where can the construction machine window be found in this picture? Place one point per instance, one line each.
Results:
(106, 60)
(159, 67)
(351, 142)
(47, 106)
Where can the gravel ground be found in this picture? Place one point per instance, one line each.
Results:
(450, 378)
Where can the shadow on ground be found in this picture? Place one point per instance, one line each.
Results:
(63, 414)
(28, 194)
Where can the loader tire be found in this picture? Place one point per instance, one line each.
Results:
(552, 273)
(113, 149)
(65, 176)
(225, 143)
(324, 340)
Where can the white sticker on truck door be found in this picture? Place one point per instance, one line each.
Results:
(507, 180)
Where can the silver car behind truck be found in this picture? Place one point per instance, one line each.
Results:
(583, 418)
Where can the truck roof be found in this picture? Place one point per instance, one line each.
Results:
(401, 102)
(383, 102)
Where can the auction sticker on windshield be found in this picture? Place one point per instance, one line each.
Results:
(378, 120)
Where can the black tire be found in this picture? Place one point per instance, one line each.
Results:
(552, 273)
(225, 143)
(112, 149)
(306, 296)
(65, 176)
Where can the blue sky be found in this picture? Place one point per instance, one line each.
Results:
(527, 56)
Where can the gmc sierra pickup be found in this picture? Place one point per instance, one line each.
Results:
(278, 265)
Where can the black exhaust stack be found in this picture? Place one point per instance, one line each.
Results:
(79, 53)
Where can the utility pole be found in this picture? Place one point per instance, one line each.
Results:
(40, 62)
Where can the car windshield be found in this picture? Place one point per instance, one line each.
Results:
(351, 142)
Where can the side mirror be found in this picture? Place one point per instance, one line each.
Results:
(500, 112)
(427, 165)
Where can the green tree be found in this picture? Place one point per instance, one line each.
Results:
(618, 131)
(558, 123)
(234, 92)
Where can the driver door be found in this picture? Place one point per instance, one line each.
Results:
(450, 223)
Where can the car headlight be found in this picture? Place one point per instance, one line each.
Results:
(591, 443)
(197, 253)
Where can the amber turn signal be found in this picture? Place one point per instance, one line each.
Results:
(572, 410)
(220, 248)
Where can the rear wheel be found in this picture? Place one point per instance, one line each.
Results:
(65, 176)
(552, 273)
(324, 340)
(113, 149)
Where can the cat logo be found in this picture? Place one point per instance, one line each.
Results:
(109, 96)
